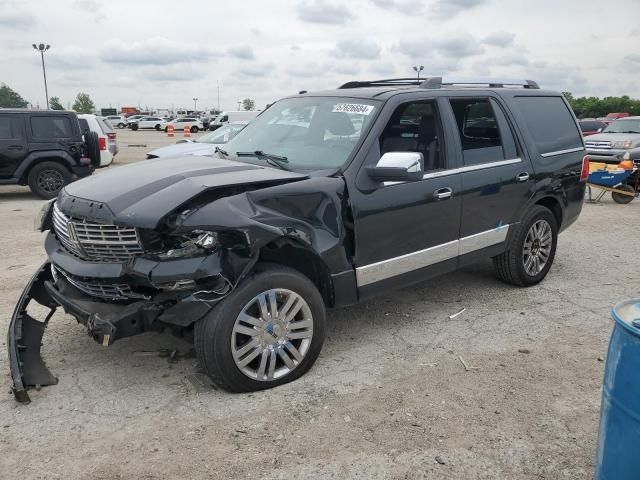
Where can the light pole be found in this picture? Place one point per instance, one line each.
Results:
(195, 104)
(43, 48)
(418, 70)
(218, 86)
(239, 102)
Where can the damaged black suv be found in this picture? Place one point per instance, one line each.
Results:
(323, 200)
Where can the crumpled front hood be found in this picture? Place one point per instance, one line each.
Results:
(186, 148)
(141, 194)
(613, 137)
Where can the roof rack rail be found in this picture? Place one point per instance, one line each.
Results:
(434, 83)
(387, 82)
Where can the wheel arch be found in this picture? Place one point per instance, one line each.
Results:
(554, 205)
(300, 257)
(35, 158)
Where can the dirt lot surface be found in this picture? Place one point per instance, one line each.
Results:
(388, 398)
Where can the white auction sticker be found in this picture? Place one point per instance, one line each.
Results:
(359, 108)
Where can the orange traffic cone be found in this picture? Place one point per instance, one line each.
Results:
(170, 131)
(186, 131)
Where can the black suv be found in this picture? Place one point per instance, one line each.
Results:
(45, 150)
(323, 200)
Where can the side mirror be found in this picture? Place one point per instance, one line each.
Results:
(398, 167)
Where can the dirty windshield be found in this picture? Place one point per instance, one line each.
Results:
(312, 133)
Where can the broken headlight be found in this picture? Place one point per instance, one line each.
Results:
(193, 244)
(42, 221)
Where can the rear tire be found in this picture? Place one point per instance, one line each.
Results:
(623, 199)
(46, 179)
(134, 127)
(280, 340)
(536, 234)
(158, 128)
(194, 129)
(121, 125)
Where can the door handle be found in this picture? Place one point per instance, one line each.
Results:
(443, 193)
(15, 147)
(522, 177)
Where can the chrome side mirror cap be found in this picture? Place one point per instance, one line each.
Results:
(398, 167)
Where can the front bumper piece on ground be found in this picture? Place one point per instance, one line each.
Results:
(105, 322)
(25, 338)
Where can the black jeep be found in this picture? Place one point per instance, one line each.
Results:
(324, 200)
(45, 150)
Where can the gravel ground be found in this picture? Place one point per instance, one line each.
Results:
(388, 398)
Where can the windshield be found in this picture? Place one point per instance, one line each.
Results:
(222, 134)
(313, 133)
(623, 126)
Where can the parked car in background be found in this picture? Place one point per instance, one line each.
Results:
(157, 123)
(44, 149)
(194, 124)
(614, 140)
(117, 121)
(591, 127)
(246, 250)
(205, 145)
(228, 117)
(107, 143)
(133, 118)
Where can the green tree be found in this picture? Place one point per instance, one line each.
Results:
(248, 104)
(83, 103)
(54, 103)
(594, 107)
(10, 98)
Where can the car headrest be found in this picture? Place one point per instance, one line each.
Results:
(427, 127)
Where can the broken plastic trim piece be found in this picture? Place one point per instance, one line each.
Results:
(25, 338)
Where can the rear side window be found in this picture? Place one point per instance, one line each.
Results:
(478, 129)
(106, 128)
(550, 123)
(51, 127)
(10, 128)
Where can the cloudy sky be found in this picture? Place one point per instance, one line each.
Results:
(160, 53)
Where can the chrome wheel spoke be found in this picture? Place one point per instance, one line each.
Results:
(262, 368)
(249, 358)
(256, 322)
(252, 332)
(286, 359)
(294, 352)
(264, 312)
(247, 346)
(293, 311)
(272, 365)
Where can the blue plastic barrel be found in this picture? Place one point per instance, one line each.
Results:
(618, 453)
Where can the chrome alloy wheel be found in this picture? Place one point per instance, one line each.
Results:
(537, 247)
(272, 334)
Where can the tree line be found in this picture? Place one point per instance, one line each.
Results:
(9, 98)
(594, 107)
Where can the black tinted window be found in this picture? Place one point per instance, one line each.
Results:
(550, 123)
(478, 129)
(51, 127)
(589, 126)
(5, 128)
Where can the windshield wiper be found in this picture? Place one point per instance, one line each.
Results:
(273, 160)
(221, 151)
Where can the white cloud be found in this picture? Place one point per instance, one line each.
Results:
(154, 51)
(321, 11)
(499, 39)
(359, 49)
(445, 9)
(15, 16)
(243, 52)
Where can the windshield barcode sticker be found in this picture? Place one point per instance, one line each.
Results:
(353, 108)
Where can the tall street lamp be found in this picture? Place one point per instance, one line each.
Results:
(195, 104)
(418, 70)
(43, 48)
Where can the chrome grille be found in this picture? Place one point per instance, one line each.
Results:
(96, 241)
(114, 291)
(595, 144)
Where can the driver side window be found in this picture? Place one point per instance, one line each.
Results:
(415, 127)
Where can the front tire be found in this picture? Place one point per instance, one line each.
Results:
(158, 127)
(194, 129)
(134, 127)
(46, 179)
(267, 332)
(531, 250)
(121, 125)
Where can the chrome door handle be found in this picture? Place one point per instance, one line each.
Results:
(523, 177)
(443, 193)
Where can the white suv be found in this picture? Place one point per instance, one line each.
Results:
(194, 124)
(116, 121)
(149, 122)
(106, 136)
